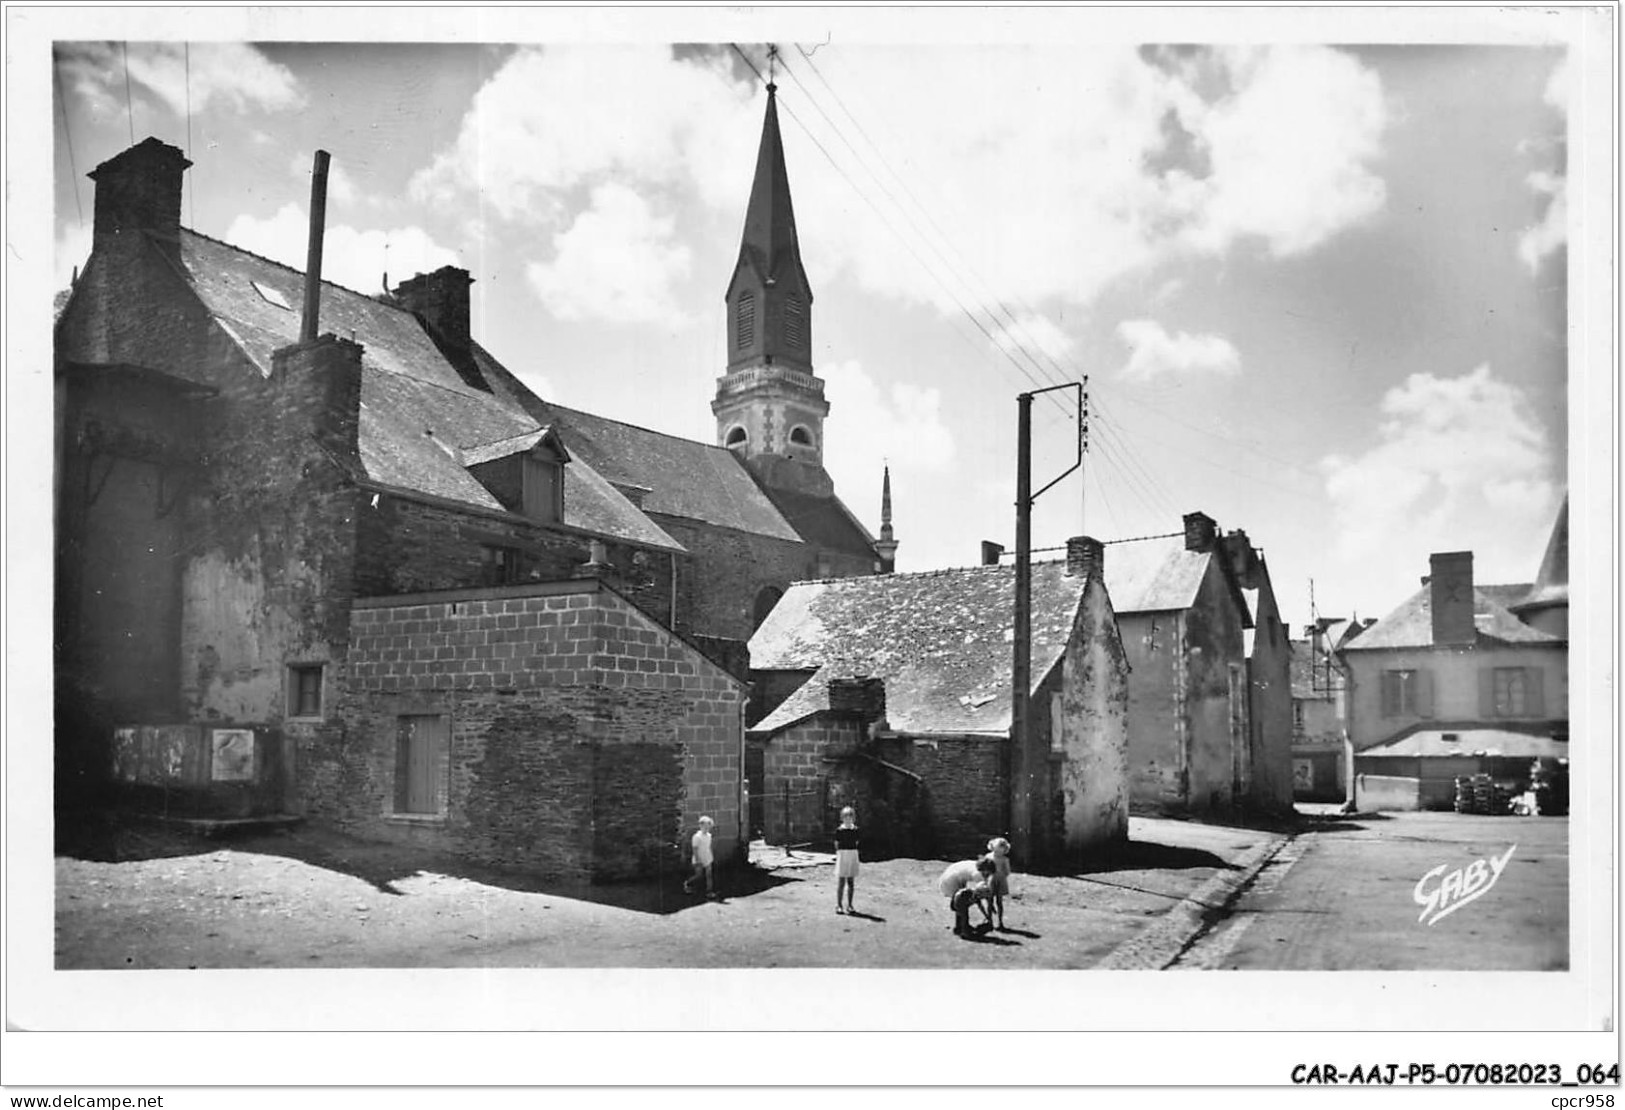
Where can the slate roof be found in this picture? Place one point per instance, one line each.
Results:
(940, 639)
(1411, 625)
(420, 422)
(1430, 743)
(684, 477)
(1310, 679)
(824, 522)
(1154, 575)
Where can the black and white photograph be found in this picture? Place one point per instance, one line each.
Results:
(575, 505)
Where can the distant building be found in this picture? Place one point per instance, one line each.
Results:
(1320, 711)
(893, 694)
(1210, 706)
(370, 578)
(1453, 683)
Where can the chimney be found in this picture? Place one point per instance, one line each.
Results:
(858, 696)
(991, 553)
(1085, 557)
(1200, 532)
(1243, 559)
(441, 299)
(1450, 594)
(140, 190)
(313, 250)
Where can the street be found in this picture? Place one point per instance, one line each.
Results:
(1341, 896)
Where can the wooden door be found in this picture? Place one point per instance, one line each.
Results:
(420, 758)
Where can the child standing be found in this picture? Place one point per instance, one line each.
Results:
(700, 852)
(846, 859)
(998, 849)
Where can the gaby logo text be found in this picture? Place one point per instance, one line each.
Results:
(1442, 892)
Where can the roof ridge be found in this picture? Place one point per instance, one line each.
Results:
(935, 572)
(638, 427)
(379, 298)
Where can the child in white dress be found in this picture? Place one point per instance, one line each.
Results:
(846, 859)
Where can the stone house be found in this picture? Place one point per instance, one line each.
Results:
(1453, 683)
(893, 694)
(1210, 722)
(386, 582)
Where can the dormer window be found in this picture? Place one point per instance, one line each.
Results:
(745, 321)
(525, 474)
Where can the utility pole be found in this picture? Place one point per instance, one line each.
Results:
(1022, 760)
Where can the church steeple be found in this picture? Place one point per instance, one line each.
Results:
(886, 545)
(770, 406)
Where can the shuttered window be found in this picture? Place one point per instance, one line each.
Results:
(1407, 693)
(305, 691)
(1511, 692)
(543, 489)
(795, 321)
(745, 321)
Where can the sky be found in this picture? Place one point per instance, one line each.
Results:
(1319, 291)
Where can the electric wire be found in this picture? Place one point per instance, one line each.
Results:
(67, 135)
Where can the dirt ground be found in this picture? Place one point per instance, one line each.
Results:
(144, 896)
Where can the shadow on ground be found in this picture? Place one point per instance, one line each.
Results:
(105, 838)
(1143, 855)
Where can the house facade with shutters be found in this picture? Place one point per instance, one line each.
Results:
(1452, 683)
(425, 602)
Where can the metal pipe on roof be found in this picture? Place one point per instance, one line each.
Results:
(313, 255)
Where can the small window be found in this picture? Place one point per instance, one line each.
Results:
(271, 294)
(737, 437)
(745, 321)
(800, 436)
(1297, 715)
(504, 566)
(1406, 693)
(305, 690)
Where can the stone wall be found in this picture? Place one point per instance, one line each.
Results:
(583, 739)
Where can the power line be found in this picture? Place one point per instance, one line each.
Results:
(191, 207)
(893, 229)
(129, 102)
(67, 134)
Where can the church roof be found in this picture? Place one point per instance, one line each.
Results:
(769, 243)
(824, 522)
(684, 477)
(419, 420)
(940, 639)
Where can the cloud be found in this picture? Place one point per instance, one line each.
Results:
(230, 74)
(618, 261)
(1132, 159)
(552, 120)
(870, 424)
(356, 259)
(341, 187)
(1459, 463)
(1154, 352)
(1551, 234)
(1290, 151)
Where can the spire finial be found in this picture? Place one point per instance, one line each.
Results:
(886, 545)
(772, 66)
